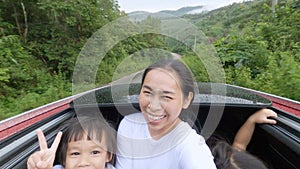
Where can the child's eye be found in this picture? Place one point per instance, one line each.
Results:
(75, 153)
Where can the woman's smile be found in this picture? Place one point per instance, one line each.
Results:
(155, 118)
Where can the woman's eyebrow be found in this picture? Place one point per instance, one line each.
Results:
(164, 92)
(168, 92)
(147, 87)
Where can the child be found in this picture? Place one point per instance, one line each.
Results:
(236, 156)
(243, 136)
(86, 142)
(228, 157)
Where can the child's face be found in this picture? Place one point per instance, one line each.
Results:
(161, 101)
(87, 154)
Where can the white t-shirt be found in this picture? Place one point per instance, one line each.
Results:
(108, 166)
(181, 148)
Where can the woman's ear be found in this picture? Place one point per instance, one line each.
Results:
(188, 100)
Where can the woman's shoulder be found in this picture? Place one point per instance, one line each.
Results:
(133, 125)
(135, 119)
(191, 142)
(58, 167)
(194, 151)
(192, 138)
(109, 166)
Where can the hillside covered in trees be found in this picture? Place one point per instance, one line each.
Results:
(259, 47)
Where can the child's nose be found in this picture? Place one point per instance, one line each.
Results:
(84, 161)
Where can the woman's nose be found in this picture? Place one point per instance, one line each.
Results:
(155, 103)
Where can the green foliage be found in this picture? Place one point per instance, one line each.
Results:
(15, 64)
(246, 51)
(282, 76)
(24, 85)
(39, 43)
(197, 68)
(41, 40)
(45, 93)
(241, 76)
(259, 48)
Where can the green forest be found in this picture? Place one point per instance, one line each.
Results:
(40, 40)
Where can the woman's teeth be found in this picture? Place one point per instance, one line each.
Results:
(151, 117)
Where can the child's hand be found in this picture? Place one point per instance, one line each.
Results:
(244, 135)
(44, 158)
(262, 115)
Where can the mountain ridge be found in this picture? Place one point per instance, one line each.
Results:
(180, 12)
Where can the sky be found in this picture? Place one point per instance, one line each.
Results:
(158, 5)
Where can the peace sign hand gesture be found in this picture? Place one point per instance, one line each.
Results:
(44, 158)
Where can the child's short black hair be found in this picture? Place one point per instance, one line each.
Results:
(227, 157)
(91, 127)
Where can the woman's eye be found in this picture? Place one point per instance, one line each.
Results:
(147, 92)
(167, 97)
(95, 152)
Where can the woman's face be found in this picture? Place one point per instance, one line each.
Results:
(161, 101)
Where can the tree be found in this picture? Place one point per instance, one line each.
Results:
(40, 41)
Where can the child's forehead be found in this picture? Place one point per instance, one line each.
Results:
(88, 135)
(97, 138)
(87, 144)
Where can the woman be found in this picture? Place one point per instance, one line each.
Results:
(156, 137)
